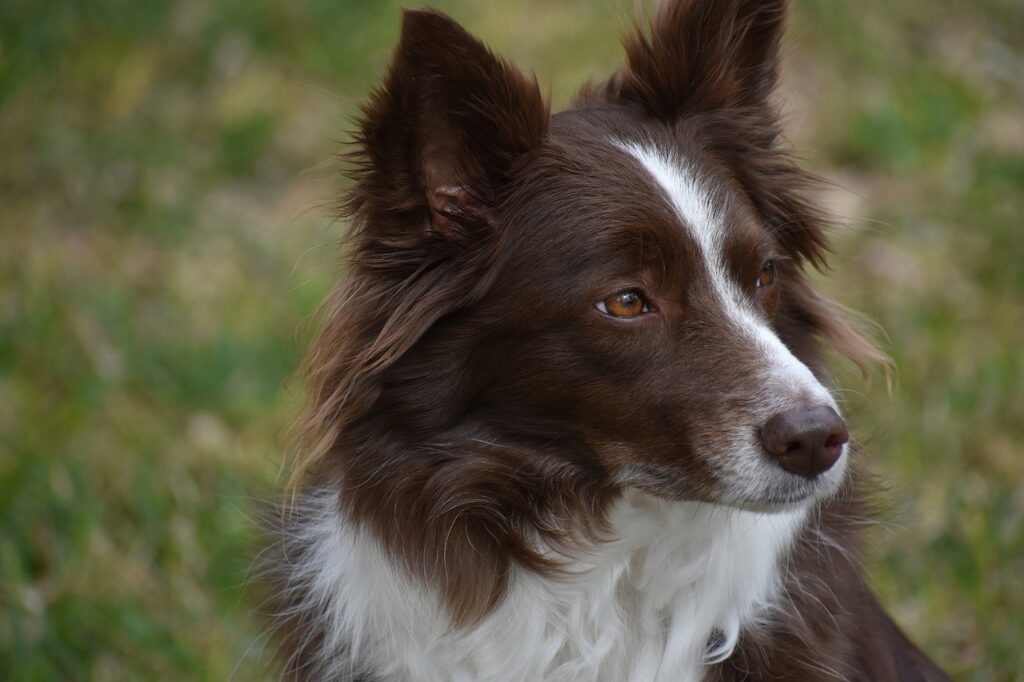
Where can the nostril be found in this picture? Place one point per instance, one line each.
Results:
(835, 441)
(837, 436)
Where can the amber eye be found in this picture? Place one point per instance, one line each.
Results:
(624, 305)
(768, 275)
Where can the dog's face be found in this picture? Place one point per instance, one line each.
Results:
(616, 289)
(636, 309)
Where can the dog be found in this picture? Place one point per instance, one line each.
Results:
(568, 412)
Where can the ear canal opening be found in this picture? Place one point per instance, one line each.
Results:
(455, 207)
(453, 182)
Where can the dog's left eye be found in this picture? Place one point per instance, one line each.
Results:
(624, 305)
(768, 275)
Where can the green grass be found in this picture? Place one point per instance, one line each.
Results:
(162, 173)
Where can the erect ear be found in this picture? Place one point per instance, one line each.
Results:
(703, 55)
(442, 134)
(717, 61)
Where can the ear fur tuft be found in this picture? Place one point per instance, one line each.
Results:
(703, 56)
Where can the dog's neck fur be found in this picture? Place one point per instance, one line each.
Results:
(666, 596)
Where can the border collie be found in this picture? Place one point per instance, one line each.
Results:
(568, 415)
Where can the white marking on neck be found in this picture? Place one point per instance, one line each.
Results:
(640, 607)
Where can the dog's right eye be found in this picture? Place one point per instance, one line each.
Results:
(624, 305)
(768, 275)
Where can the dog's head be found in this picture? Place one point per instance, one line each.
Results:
(617, 291)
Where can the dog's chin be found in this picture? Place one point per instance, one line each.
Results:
(786, 492)
(767, 506)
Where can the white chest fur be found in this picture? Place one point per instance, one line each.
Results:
(641, 607)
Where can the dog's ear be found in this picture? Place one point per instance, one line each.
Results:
(716, 63)
(440, 137)
(702, 55)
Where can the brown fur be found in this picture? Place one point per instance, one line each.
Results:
(461, 404)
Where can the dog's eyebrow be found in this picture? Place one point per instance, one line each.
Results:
(770, 243)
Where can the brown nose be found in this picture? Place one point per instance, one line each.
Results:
(805, 441)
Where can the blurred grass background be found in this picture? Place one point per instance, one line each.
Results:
(162, 169)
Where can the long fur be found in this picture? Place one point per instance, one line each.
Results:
(496, 479)
(640, 606)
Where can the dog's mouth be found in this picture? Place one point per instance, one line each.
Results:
(768, 487)
(773, 503)
(761, 486)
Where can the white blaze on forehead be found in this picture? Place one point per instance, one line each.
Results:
(689, 197)
(695, 206)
